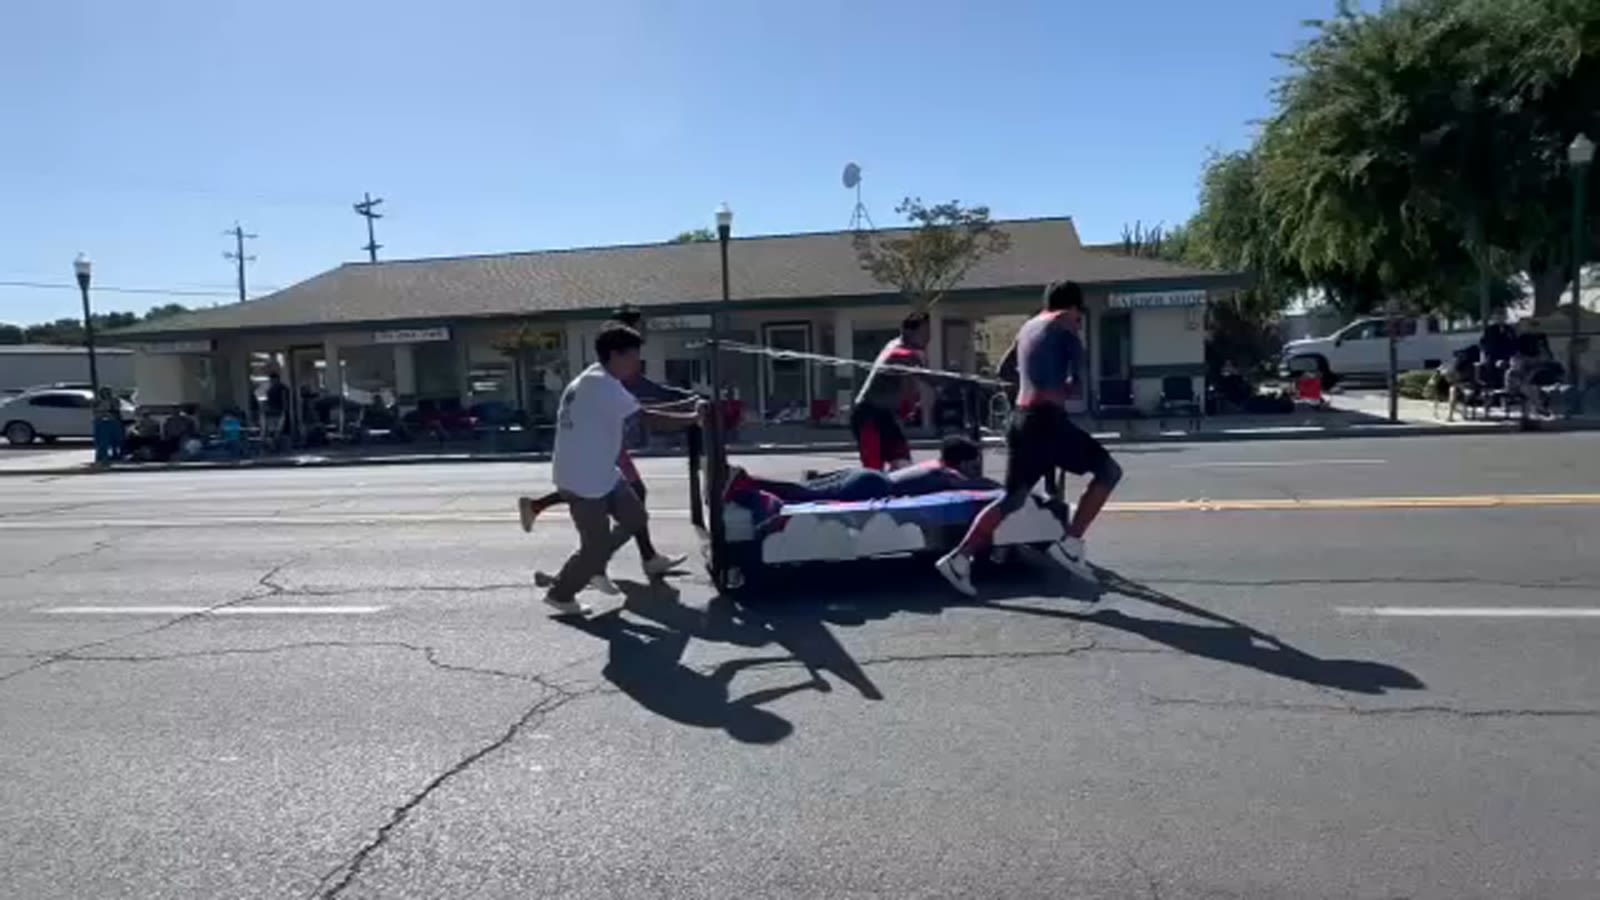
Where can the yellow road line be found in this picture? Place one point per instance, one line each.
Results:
(1480, 501)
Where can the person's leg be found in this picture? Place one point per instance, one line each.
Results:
(1027, 460)
(1079, 453)
(651, 561)
(598, 541)
(529, 508)
(864, 422)
(896, 449)
(102, 450)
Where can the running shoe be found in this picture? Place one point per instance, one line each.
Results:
(659, 565)
(525, 512)
(957, 569)
(566, 607)
(1069, 554)
(598, 583)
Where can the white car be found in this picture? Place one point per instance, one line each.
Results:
(50, 413)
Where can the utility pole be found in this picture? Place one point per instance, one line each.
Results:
(239, 236)
(367, 209)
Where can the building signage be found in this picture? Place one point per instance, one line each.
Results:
(177, 347)
(411, 335)
(679, 323)
(1157, 300)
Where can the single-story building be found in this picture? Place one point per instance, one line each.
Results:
(24, 366)
(468, 329)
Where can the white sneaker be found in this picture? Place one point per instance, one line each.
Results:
(566, 607)
(605, 586)
(1069, 554)
(660, 565)
(957, 569)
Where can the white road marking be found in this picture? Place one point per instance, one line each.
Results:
(1281, 464)
(206, 610)
(1474, 612)
(310, 521)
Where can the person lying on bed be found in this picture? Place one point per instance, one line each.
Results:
(958, 468)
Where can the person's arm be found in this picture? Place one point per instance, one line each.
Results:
(687, 404)
(669, 420)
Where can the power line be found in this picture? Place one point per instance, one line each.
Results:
(238, 254)
(367, 210)
(164, 292)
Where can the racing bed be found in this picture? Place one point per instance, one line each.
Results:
(740, 550)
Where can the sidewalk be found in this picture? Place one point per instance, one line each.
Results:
(1355, 414)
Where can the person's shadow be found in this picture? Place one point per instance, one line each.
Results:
(645, 662)
(1224, 639)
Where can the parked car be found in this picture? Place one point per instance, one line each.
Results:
(50, 413)
(1361, 349)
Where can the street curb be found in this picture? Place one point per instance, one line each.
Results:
(1312, 433)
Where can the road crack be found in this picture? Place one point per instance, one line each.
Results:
(265, 586)
(99, 546)
(428, 653)
(341, 877)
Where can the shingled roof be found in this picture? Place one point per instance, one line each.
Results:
(572, 282)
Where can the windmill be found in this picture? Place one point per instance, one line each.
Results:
(852, 181)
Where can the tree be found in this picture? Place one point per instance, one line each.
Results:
(166, 310)
(927, 260)
(1420, 148)
(69, 332)
(521, 344)
(697, 236)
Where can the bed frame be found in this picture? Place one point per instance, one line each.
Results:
(738, 551)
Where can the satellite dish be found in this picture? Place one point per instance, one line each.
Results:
(852, 175)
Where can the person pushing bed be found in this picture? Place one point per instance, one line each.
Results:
(888, 395)
(1041, 438)
(590, 423)
(650, 395)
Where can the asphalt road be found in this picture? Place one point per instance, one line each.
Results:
(337, 682)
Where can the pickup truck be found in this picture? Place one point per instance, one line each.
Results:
(1361, 349)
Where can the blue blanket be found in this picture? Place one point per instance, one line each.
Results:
(947, 508)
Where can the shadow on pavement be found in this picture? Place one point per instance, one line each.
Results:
(646, 657)
(1224, 639)
(1214, 636)
(645, 662)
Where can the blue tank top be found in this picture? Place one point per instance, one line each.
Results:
(1048, 356)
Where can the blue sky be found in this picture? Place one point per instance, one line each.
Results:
(139, 131)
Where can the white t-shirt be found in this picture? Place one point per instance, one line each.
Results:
(594, 410)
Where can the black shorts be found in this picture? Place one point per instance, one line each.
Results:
(1042, 439)
(878, 435)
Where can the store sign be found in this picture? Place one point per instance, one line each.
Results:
(1157, 300)
(411, 335)
(679, 323)
(177, 347)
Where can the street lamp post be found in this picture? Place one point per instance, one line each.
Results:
(716, 457)
(1580, 155)
(83, 269)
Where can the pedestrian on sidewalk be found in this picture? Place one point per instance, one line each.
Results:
(109, 429)
(590, 424)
